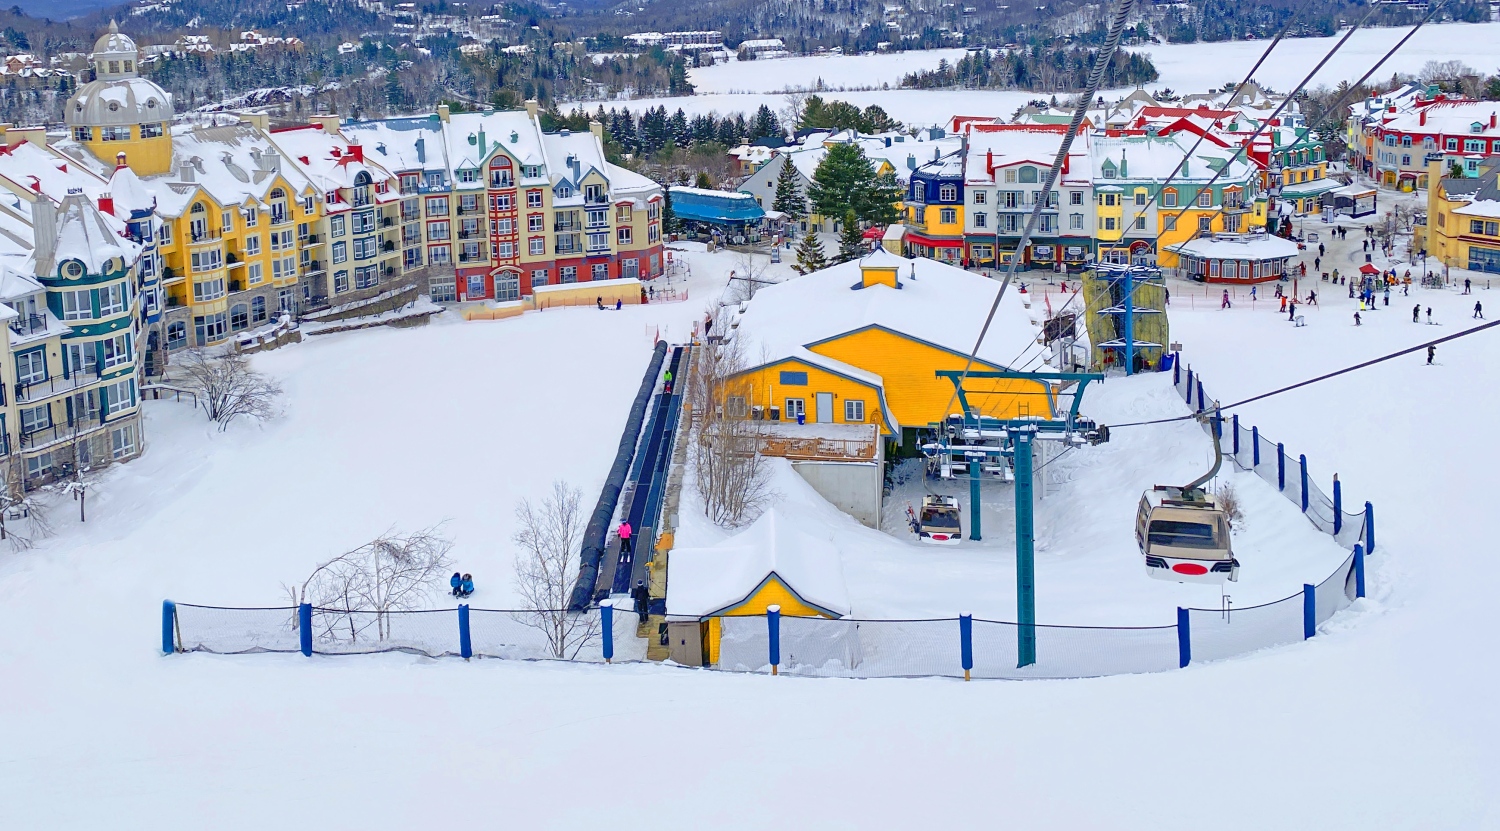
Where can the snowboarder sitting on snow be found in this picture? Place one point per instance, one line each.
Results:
(466, 588)
(619, 304)
(456, 581)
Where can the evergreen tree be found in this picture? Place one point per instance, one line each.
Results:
(669, 224)
(765, 124)
(703, 181)
(881, 204)
(788, 198)
(810, 256)
(851, 240)
(842, 175)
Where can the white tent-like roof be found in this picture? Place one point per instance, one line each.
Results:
(705, 581)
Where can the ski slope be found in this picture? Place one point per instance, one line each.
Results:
(1385, 720)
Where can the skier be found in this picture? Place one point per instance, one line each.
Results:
(1320, 249)
(642, 597)
(1367, 246)
(1478, 310)
(667, 387)
(456, 581)
(1356, 319)
(1466, 285)
(1387, 295)
(627, 546)
(466, 588)
(1429, 315)
(1312, 298)
(1224, 304)
(1416, 313)
(1252, 293)
(1317, 264)
(1292, 312)
(1404, 286)
(1283, 302)
(1431, 353)
(1351, 291)
(599, 301)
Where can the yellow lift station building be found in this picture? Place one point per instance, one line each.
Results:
(862, 342)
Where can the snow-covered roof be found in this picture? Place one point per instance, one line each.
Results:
(86, 235)
(1449, 118)
(704, 581)
(331, 161)
(118, 101)
(1237, 247)
(514, 131)
(937, 303)
(993, 148)
(1157, 158)
(233, 163)
(402, 144)
(1488, 208)
(130, 193)
(38, 169)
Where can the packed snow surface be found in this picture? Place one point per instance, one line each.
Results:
(1385, 720)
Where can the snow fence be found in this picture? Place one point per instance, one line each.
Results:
(957, 647)
(1250, 450)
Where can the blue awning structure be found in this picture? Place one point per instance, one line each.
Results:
(716, 207)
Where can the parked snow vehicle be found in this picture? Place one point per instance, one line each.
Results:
(940, 521)
(1182, 532)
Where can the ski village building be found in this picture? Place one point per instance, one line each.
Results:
(1463, 220)
(1393, 137)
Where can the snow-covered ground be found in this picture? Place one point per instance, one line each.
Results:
(1193, 67)
(1385, 720)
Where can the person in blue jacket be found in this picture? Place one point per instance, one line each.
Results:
(466, 588)
(456, 581)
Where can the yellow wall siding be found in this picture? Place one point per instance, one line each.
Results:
(146, 156)
(916, 396)
(763, 387)
(773, 593)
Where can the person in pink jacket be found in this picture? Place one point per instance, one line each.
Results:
(627, 546)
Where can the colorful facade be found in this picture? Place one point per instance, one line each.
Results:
(1463, 220)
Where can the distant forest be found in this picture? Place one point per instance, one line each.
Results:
(1038, 69)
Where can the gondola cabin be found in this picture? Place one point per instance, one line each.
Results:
(940, 521)
(1184, 536)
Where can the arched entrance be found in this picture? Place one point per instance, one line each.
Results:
(507, 283)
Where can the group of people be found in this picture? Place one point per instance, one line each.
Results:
(463, 584)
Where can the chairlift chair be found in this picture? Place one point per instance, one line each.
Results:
(940, 522)
(1182, 532)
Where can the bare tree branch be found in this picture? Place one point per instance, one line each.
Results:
(228, 388)
(549, 536)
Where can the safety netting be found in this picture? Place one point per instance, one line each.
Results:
(869, 648)
(1336, 592)
(1225, 633)
(553, 635)
(1073, 651)
(744, 644)
(230, 631)
(1252, 451)
(344, 632)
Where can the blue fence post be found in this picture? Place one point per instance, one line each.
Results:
(773, 623)
(1302, 460)
(1338, 506)
(607, 623)
(1234, 422)
(1218, 425)
(966, 642)
(1190, 388)
(1254, 447)
(465, 645)
(1177, 372)
(1359, 571)
(168, 627)
(1184, 639)
(1200, 396)
(304, 627)
(1280, 466)
(1369, 528)
(1309, 610)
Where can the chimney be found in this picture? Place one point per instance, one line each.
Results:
(34, 135)
(911, 161)
(598, 130)
(327, 123)
(44, 235)
(989, 162)
(1422, 118)
(1492, 121)
(444, 114)
(106, 204)
(531, 108)
(120, 163)
(483, 147)
(421, 145)
(260, 121)
(185, 172)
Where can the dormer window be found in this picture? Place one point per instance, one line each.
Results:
(73, 270)
(564, 191)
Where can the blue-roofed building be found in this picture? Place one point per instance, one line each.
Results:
(722, 210)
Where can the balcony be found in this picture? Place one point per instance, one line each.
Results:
(565, 227)
(473, 211)
(48, 387)
(406, 217)
(596, 198)
(204, 236)
(280, 217)
(471, 235)
(55, 433)
(29, 324)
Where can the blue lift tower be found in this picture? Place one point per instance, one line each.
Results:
(976, 442)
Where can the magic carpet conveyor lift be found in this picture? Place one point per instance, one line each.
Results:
(975, 439)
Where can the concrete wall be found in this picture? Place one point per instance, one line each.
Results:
(856, 488)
